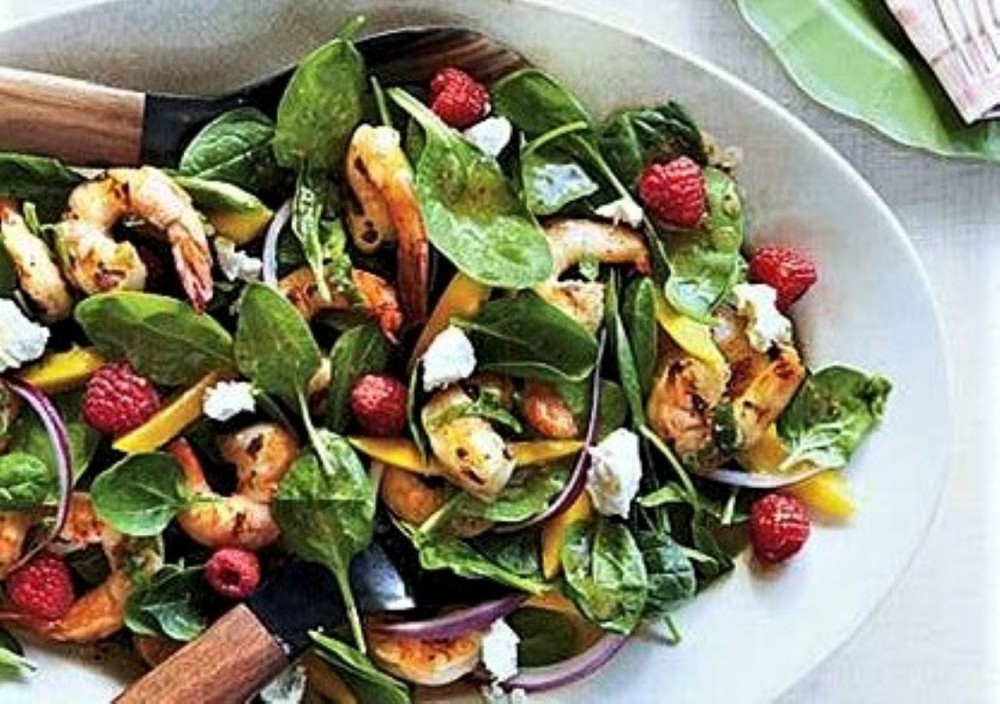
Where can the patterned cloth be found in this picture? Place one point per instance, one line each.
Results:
(960, 39)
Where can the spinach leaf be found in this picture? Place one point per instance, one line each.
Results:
(638, 315)
(25, 482)
(307, 214)
(831, 414)
(162, 337)
(612, 409)
(274, 347)
(219, 196)
(628, 371)
(473, 216)
(321, 106)
(413, 419)
(235, 147)
(550, 178)
(546, 636)
(28, 435)
(633, 139)
(365, 681)
(519, 553)
(41, 180)
(140, 494)
(527, 493)
(671, 575)
(12, 654)
(705, 264)
(325, 507)
(669, 493)
(488, 404)
(605, 575)
(536, 103)
(167, 605)
(359, 351)
(715, 561)
(524, 336)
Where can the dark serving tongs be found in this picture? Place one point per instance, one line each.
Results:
(86, 124)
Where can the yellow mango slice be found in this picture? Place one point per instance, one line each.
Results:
(170, 420)
(463, 298)
(240, 227)
(402, 453)
(60, 371)
(691, 336)
(325, 682)
(765, 455)
(554, 533)
(541, 451)
(827, 495)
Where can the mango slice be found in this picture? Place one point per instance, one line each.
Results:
(542, 451)
(463, 297)
(554, 533)
(170, 420)
(691, 336)
(827, 495)
(61, 371)
(765, 455)
(241, 227)
(403, 453)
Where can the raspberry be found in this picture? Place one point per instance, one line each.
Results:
(458, 98)
(779, 527)
(233, 572)
(117, 399)
(379, 404)
(43, 588)
(788, 272)
(674, 192)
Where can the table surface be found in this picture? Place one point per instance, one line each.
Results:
(937, 636)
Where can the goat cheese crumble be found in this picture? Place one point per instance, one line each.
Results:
(500, 651)
(228, 399)
(491, 135)
(624, 210)
(236, 264)
(449, 358)
(21, 340)
(766, 325)
(287, 688)
(615, 470)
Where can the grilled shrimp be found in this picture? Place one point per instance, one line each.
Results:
(681, 403)
(583, 301)
(382, 182)
(378, 298)
(95, 263)
(414, 498)
(547, 412)
(472, 454)
(262, 453)
(37, 272)
(14, 526)
(428, 662)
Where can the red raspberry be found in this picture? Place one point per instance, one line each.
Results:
(379, 404)
(117, 399)
(43, 588)
(779, 527)
(458, 98)
(788, 272)
(233, 572)
(674, 192)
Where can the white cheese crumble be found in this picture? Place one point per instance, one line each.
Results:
(490, 135)
(615, 470)
(766, 325)
(228, 399)
(449, 358)
(495, 694)
(287, 688)
(624, 210)
(235, 264)
(20, 339)
(500, 651)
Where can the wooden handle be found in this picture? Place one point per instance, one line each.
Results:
(228, 664)
(82, 123)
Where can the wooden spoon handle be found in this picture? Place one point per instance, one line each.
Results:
(82, 123)
(228, 664)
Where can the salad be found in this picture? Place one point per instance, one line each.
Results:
(525, 351)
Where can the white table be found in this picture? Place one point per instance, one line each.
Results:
(937, 637)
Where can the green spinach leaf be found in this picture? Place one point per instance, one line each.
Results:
(546, 636)
(524, 336)
(519, 553)
(528, 492)
(28, 435)
(536, 103)
(671, 575)
(25, 482)
(831, 414)
(473, 216)
(236, 148)
(605, 575)
(551, 178)
(274, 347)
(168, 605)
(307, 219)
(487, 404)
(359, 351)
(628, 371)
(612, 409)
(632, 139)
(38, 179)
(140, 494)
(638, 315)
(366, 681)
(162, 337)
(219, 196)
(12, 655)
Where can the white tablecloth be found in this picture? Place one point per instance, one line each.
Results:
(937, 637)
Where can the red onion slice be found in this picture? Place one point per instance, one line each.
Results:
(578, 477)
(270, 254)
(541, 679)
(56, 430)
(454, 624)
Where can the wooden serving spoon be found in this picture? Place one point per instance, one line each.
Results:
(86, 124)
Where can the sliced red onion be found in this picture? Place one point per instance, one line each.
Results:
(59, 438)
(270, 254)
(541, 679)
(454, 624)
(578, 477)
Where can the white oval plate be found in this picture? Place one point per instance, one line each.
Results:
(751, 636)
